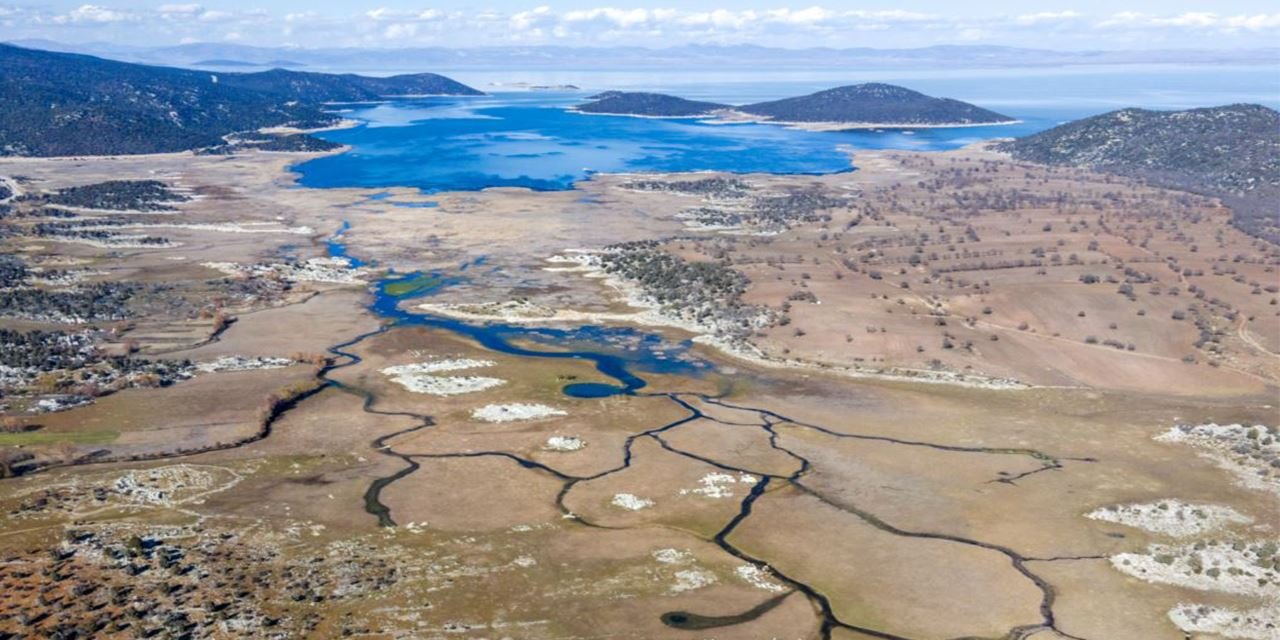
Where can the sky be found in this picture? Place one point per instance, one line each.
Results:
(1067, 25)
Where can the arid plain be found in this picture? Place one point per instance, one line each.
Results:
(960, 397)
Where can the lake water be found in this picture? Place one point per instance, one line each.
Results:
(528, 139)
(617, 352)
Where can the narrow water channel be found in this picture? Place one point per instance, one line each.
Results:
(618, 353)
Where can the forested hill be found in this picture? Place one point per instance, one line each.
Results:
(55, 104)
(1231, 151)
(325, 87)
(862, 104)
(647, 104)
(874, 103)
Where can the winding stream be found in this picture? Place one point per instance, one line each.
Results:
(654, 354)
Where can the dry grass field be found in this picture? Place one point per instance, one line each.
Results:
(966, 361)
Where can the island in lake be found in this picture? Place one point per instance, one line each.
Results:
(869, 105)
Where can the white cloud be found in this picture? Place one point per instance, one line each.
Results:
(92, 14)
(809, 16)
(624, 18)
(1123, 19)
(1256, 22)
(217, 16)
(1189, 19)
(894, 15)
(1046, 16)
(1205, 20)
(799, 25)
(400, 31)
(719, 18)
(180, 9)
(384, 13)
(1193, 21)
(526, 20)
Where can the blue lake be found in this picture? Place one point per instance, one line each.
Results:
(528, 139)
(525, 140)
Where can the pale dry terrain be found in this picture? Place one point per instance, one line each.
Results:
(917, 444)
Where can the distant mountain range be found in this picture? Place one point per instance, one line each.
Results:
(54, 104)
(689, 56)
(1231, 152)
(240, 63)
(870, 104)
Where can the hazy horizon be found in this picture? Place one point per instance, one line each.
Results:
(1078, 26)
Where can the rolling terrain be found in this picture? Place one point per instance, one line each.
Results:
(57, 104)
(1035, 396)
(1231, 151)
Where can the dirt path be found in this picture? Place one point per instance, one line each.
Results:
(1243, 332)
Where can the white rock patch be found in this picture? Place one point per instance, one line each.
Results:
(672, 556)
(1171, 517)
(436, 366)
(447, 385)
(690, 579)
(631, 502)
(1251, 454)
(718, 485)
(1246, 568)
(173, 484)
(242, 363)
(60, 403)
(758, 578)
(564, 443)
(418, 379)
(515, 411)
(332, 270)
(1262, 623)
(220, 227)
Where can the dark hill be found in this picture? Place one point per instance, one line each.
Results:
(647, 104)
(874, 103)
(54, 104)
(324, 87)
(1232, 152)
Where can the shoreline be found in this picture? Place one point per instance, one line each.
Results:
(729, 117)
(388, 99)
(655, 319)
(636, 115)
(646, 315)
(344, 123)
(738, 117)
